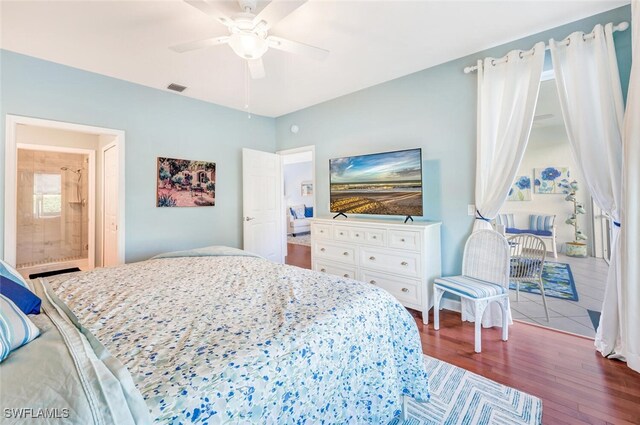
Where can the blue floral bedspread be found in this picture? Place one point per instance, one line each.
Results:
(238, 339)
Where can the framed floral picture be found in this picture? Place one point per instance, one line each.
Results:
(185, 183)
(521, 189)
(547, 179)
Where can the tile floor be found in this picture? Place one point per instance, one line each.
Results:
(590, 276)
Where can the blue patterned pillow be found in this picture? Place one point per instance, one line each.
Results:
(16, 329)
(12, 274)
(297, 211)
(541, 222)
(506, 220)
(23, 298)
(308, 211)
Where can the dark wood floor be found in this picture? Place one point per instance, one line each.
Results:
(576, 385)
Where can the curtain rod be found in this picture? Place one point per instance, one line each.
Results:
(622, 26)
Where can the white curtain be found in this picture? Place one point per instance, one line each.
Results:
(629, 314)
(591, 101)
(507, 96)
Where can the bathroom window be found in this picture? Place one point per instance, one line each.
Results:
(47, 195)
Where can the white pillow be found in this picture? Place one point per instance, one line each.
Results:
(298, 211)
(16, 329)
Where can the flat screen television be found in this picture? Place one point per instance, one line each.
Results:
(386, 183)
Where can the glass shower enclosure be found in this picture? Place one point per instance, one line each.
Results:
(52, 219)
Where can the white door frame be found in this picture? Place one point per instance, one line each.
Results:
(91, 202)
(103, 149)
(308, 148)
(10, 178)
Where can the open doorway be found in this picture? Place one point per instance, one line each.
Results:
(550, 199)
(64, 193)
(299, 200)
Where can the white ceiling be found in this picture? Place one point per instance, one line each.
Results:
(370, 42)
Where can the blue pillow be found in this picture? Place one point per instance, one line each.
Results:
(308, 211)
(24, 299)
(12, 274)
(16, 329)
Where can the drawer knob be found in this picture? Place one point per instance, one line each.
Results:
(402, 240)
(345, 253)
(372, 258)
(375, 237)
(405, 290)
(323, 270)
(373, 282)
(341, 233)
(322, 249)
(404, 263)
(321, 231)
(357, 235)
(346, 275)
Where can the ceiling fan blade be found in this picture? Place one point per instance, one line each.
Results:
(297, 48)
(210, 9)
(256, 68)
(276, 11)
(199, 44)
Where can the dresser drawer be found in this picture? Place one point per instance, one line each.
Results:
(375, 237)
(404, 239)
(405, 290)
(343, 254)
(337, 270)
(321, 231)
(359, 235)
(405, 263)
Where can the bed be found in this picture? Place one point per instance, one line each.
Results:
(217, 335)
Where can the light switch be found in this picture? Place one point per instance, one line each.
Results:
(471, 210)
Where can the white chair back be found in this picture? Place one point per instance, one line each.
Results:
(529, 251)
(486, 257)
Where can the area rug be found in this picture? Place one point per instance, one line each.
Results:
(557, 280)
(300, 239)
(460, 397)
(595, 318)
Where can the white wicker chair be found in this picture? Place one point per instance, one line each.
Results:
(485, 278)
(527, 261)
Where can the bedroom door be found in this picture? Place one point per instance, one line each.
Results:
(262, 210)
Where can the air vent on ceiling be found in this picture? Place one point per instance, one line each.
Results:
(176, 87)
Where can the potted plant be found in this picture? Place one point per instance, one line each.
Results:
(577, 248)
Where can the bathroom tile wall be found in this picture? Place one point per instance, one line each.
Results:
(58, 236)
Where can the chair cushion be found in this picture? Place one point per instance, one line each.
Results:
(514, 231)
(541, 222)
(470, 287)
(539, 232)
(506, 220)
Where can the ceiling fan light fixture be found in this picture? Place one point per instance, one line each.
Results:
(248, 45)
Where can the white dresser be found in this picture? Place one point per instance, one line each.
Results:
(401, 258)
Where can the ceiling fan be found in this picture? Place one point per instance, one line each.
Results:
(249, 33)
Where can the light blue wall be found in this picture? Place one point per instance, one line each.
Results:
(434, 109)
(157, 123)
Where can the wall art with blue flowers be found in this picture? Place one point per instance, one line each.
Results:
(547, 179)
(520, 189)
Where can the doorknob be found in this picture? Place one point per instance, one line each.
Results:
(249, 218)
